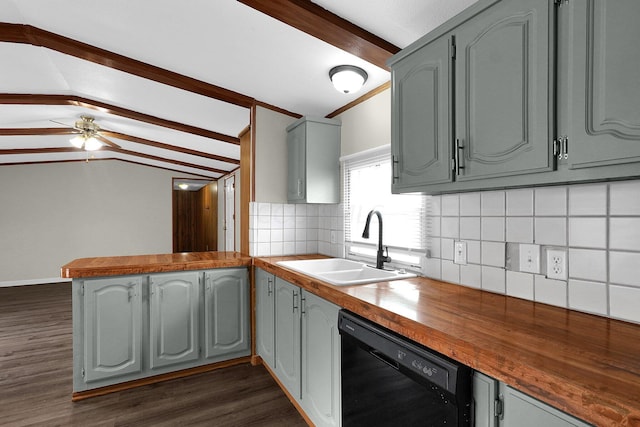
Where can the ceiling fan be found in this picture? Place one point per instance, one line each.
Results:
(88, 135)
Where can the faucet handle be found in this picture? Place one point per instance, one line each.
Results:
(387, 258)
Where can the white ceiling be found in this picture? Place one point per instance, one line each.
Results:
(221, 42)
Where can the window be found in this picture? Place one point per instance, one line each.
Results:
(367, 186)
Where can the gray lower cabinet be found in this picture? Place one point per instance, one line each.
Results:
(226, 313)
(265, 316)
(299, 332)
(287, 336)
(131, 327)
(499, 405)
(321, 397)
(604, 100)
(112, 329)
(174, 313)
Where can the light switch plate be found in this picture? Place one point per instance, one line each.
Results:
(460, 253)
(530, 258)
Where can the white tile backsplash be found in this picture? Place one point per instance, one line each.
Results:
(550, 201)
(588, 232)
(625, 234)
(550, 231)
(597, 224)
(625, 198)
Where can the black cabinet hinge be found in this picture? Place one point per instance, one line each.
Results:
(560, 2)
(452, 48)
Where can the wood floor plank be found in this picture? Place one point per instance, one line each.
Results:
(36, 379)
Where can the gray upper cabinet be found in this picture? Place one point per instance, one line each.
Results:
(604, 100)
(421, 86)
(112, 327)
(313, 152)
(226, 312)
(265, 320)
(174, 313)
(503, 91)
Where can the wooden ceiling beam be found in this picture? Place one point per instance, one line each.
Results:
(27, 34)
(78, 101)
(162, 159)
(329, 27)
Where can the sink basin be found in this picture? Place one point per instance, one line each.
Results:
(343, 272)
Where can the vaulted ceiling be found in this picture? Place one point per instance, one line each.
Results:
(172, 83)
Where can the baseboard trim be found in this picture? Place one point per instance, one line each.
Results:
(29, 282)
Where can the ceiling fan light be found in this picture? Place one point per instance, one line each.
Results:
(348, 78)
(77, 141)
(92, 144)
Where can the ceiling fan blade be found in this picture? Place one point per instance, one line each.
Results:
(63, 124)
(107, 142)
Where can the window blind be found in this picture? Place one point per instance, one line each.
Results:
(367, 186)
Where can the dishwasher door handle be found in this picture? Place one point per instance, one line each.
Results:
(383, 358)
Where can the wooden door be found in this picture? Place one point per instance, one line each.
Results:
(504, 91)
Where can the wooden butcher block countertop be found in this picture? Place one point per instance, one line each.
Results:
(585, 365)
(141, 264)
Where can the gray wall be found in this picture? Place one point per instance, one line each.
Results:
(51, 214)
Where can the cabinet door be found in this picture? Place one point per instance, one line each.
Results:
(504, 103)
(296, 163)
(485, 393)
(112, 327)
(524, 411)
(287, 349)
(321, 397)
(226, 312)
(604, 103)
(420, 121)
(173, 315)
(265, 320)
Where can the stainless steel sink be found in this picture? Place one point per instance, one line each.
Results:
(343, 272)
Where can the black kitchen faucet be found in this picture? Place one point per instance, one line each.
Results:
(381, 258)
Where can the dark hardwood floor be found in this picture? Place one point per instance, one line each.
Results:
(36, 379)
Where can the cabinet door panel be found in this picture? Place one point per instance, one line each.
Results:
(296, 164)
(174, 318)
(420, 117)
(605, 100)
(265, 321)
(112, 327)
(288, 336)
(226, 312)
(503, 83)
(321, 361)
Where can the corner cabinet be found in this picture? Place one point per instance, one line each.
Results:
(313, 152)
(298, 331)
(130, 327)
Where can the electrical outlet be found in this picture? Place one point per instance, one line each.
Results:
(557, 264)
(460, 253)
(530, 258)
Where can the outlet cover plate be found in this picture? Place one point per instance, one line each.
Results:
(530, 258)
(557, 264)
(460, 253)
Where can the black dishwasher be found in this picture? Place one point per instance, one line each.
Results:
(388, 380)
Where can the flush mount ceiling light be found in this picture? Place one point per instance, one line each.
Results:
(348, 78)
